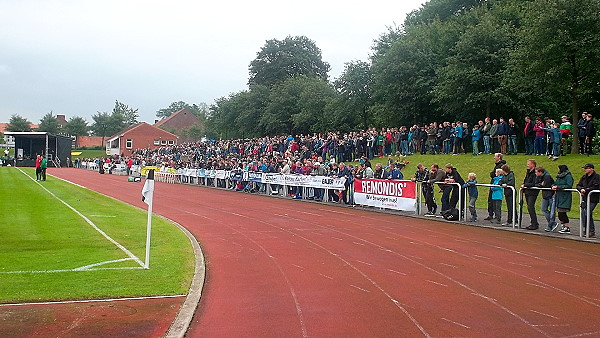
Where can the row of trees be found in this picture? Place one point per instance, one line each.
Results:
(109, 123)
(451, 59)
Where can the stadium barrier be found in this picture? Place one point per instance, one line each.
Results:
(514, 200)
(385, 194)
(588, 215)
(552, 208)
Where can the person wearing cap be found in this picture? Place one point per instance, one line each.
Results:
(565, 131)
(588, 182)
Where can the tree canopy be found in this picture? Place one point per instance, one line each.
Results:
(18, 123)
(279, 60)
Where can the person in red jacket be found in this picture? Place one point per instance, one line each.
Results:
(38, 168)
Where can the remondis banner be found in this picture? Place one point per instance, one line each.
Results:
(390, 194)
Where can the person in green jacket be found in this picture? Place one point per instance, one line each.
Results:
(563, 199)
(44, 165)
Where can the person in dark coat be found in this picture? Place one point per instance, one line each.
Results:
(546, 181)
(530, 181)
(563, 199)
(588, 182)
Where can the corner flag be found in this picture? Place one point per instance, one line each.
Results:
(147, 197)
(148, 190)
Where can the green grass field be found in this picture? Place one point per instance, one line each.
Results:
(482, 165)
(89, 153)
(42, 241)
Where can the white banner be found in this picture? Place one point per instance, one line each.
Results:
(322, 182)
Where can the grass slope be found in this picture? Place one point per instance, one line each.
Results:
(40, 233)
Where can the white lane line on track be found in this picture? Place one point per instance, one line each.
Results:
(488, 274)
(398, 272)
(537, 285)
(337, 238)
(453, 322)
(93, 300)
(298, 266)
(365, 263)
(520, 264)
(566, 273)
(328, 277)
(358, 243)
(543, 314)
(361, 289)
(449, 265)
(440, 284)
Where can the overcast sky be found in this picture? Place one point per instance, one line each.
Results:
(76, 57)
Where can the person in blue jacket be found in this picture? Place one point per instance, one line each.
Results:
(475, 137)
(471, 186)
(555, 137)
(497, 195)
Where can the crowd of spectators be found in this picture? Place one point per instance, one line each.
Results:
(326, 154)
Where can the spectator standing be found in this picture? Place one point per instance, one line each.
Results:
(581, 131)
(508, 180)
(546, 181)
(435, 175)
(475, 137)
(590, 132)
(588, 182)
(497, 197)
(512, 137)
(530, 181)
(529, 135)
(452, 176)
(563, 199)
(539, 145)
(502, 132)
(494, 145)
(471, 186)
(486, 136)
(554, 138)
(498, 163)
(565, 131)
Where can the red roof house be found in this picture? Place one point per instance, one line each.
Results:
(139, 136)
(179, 122)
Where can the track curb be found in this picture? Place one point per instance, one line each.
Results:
(184, 317)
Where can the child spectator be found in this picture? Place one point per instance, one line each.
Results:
(473, 194)
(497, 195)
(475, 136)
(554, 137)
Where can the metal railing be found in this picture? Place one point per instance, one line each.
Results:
(460, 196)
(514, 204)
(571, 190)
(588, 216)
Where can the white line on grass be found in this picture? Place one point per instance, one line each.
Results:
(124, 249)
(93, 300)
(69, 270)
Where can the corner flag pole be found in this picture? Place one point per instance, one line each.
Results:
(148, 197)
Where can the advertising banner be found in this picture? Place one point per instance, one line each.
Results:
(322, 182)
(389, 194)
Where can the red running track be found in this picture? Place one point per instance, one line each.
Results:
(286, 268)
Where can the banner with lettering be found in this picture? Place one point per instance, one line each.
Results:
(322, 182)
(389, 194)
